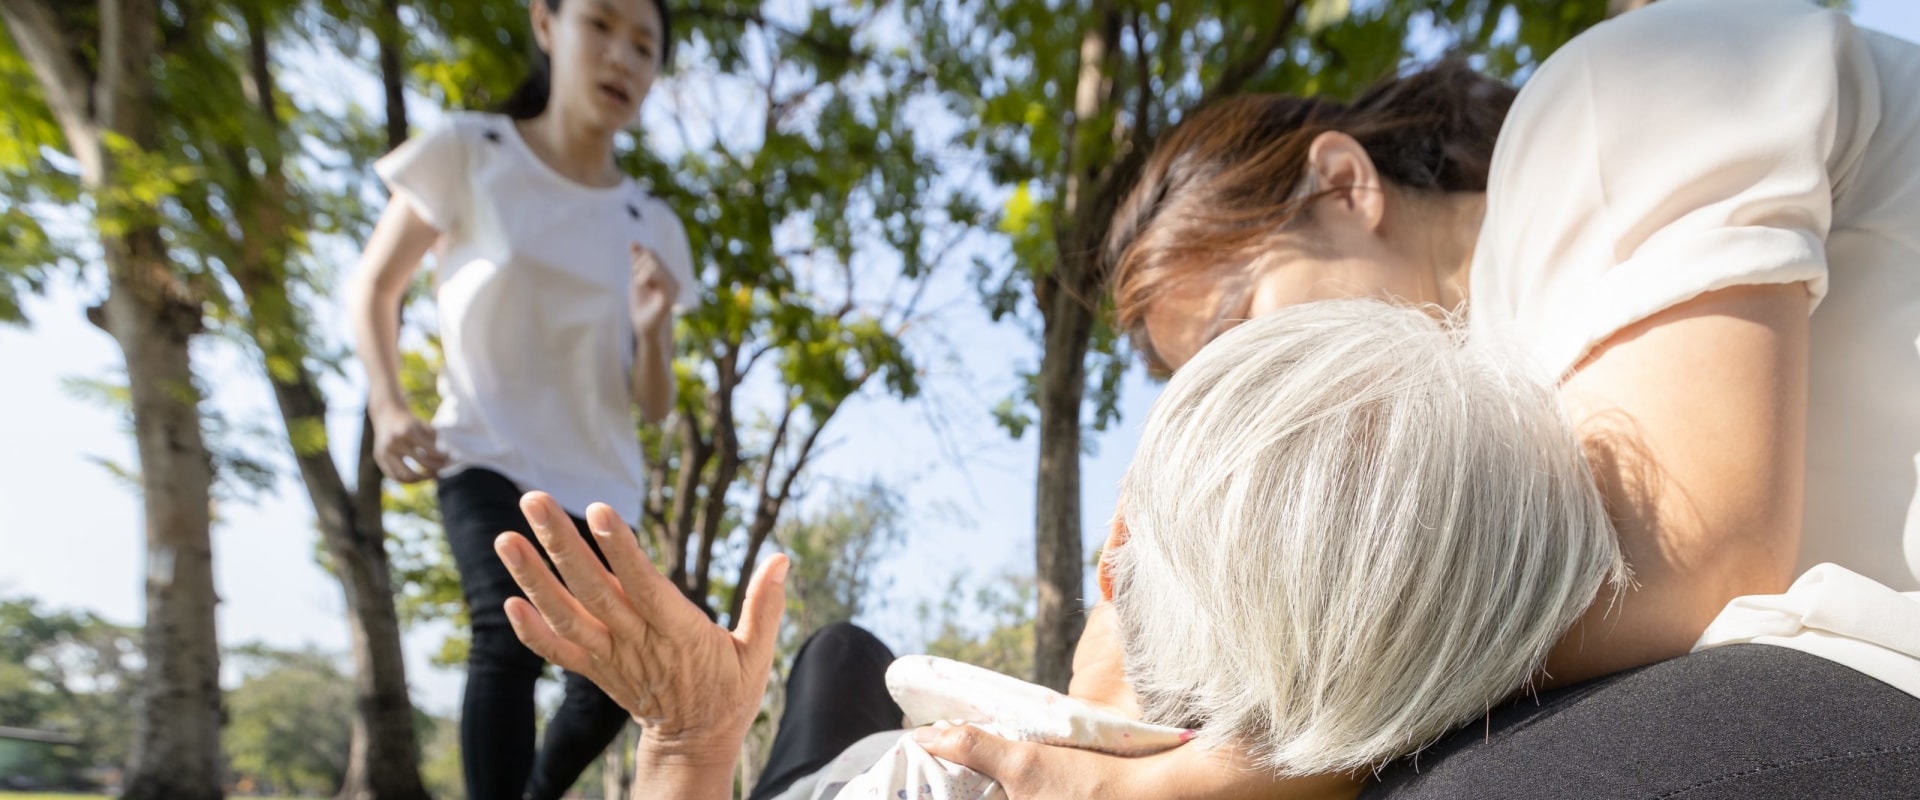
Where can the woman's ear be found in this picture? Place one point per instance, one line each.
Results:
(542, 25)
(1338, 164)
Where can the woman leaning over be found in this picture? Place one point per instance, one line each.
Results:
(1698, 218)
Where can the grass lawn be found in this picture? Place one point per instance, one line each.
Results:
(49, 796)
(64, 796)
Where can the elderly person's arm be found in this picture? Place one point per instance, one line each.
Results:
(693, 686)
(1027, 770)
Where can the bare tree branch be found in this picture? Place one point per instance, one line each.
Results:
(767, 512)
(63, 79)
(1141, 135)
(1250, 63)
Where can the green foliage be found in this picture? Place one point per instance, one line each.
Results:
(1012, 68)
(835, 551)
(31, 183)
(440, 768)
(290, 722)
(72, 673)
(985, 623)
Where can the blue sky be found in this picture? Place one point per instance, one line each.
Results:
(70, 533)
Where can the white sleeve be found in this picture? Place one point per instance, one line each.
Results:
(430, 172)
(1680, 149)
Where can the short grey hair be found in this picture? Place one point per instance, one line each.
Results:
(1351, 530)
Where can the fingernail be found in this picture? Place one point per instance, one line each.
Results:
(779, 572)
(508, 554)
(1187, 735)
(537, 513)
(925, 735)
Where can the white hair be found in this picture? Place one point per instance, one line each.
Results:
(1351, 530)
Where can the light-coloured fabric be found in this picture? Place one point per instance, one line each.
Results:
(1836, 614)
(937, 691)
(532, 282)
(1696, 145)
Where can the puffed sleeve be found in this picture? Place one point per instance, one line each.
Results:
(1680, 149)
(430, 172)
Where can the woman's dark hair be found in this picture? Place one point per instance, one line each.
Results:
(530, 99)
(1225, 180)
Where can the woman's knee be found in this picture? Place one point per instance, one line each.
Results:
(847, 638)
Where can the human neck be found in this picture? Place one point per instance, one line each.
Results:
(1452, 222)
(578, 153)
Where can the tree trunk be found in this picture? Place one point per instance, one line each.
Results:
(1057, 550)
(1067, 305)
(383, 756)
(176, 747)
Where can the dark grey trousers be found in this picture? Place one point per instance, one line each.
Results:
(1745, 722)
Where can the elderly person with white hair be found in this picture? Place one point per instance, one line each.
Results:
(1346, 532)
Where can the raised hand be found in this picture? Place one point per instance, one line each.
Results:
(693, 685)
(653, 289)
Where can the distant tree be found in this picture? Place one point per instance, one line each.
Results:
(73, 673)
(291, 723)
(988, 623)
(836, 551)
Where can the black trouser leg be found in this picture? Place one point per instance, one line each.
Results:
(587, 721)
(496, 721)
(836, 695)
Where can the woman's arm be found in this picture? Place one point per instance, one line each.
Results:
(1030, 770)
(1694, 420)
(392, 256)
(653, 371)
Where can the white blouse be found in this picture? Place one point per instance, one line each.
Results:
(532, 285)
(1699, 144)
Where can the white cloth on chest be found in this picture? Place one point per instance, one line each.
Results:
(932, 690)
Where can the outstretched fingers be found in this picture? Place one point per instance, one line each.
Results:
(539, 637)
(660, 605)
(586, 579)
(562, 613)
(760, 614)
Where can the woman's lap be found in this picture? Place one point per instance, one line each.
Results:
(1743, 722)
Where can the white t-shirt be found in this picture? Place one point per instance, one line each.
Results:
(1696, 145)
(532, 283)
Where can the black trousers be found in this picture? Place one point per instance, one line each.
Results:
(836, 695)
(496, 715)
(1744, 722)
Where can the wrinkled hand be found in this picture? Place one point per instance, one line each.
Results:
(405, 448)
(693, 685)
(653, 289)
